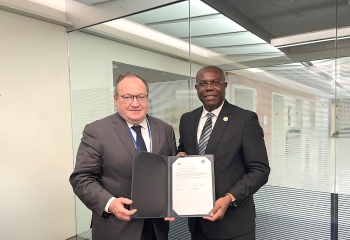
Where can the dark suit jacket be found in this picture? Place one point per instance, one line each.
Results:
(104, 168)
(241, 165)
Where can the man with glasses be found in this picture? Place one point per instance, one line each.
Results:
(236, 139)
(102, 175)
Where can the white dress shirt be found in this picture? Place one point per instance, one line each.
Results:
(204, 118)
(146, 135)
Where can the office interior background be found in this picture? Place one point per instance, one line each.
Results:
(287, 60)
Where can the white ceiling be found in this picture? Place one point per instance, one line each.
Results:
(214, 31)
(241, 49)
(236, 35)
(56, 4)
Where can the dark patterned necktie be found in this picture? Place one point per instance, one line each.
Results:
(204, 138)
(139, 139)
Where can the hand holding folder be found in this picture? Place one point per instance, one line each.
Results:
(117, 207)
(170, 186)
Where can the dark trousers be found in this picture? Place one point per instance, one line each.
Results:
(199, 235)
(148, 232)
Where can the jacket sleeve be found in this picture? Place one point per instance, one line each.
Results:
(255, 160)
(86, 176)
(181, 147)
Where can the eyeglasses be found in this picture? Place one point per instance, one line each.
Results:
(129, 98)
(206, 83)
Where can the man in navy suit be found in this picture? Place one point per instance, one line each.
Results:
(240, 158)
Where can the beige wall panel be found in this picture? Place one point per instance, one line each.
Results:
(37, 202)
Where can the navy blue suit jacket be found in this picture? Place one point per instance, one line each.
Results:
(240, 161)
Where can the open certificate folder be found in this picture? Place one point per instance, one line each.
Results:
(171, 186)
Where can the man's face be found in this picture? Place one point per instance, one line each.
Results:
(133, 112)
(211, 95)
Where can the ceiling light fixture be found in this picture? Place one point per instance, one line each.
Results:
(145, 32)
(311, 37)
(255, 70)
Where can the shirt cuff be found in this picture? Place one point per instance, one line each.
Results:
(109, 203)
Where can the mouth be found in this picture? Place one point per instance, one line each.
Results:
(135, 110)
(210, 97)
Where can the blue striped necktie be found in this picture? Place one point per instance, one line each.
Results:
(204, 138)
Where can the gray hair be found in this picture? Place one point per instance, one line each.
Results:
(128, 74)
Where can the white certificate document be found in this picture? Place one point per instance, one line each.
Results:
(192, 186)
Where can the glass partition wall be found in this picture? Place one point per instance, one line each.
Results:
(339, 68)
(287, 60)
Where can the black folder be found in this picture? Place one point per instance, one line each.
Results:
(151, 188)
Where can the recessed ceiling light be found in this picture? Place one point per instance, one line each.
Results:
(284, 2)
(255, 70)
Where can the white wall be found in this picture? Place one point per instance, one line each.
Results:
(91, 60)
(36, 154)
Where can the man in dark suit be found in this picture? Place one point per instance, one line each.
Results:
(102, 175)
(240, 158)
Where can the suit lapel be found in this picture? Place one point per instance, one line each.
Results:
(194, 127)
(219, 127)
(121, 129)
(154, 135)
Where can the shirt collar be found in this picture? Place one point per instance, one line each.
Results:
(215, 111)
(142, 124)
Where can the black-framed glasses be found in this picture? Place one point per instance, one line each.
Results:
(129, 98)
(206, 83)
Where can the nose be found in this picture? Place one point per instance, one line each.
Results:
(134, 102)
(209, 86)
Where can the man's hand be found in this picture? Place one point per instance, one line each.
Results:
(118, 209)
(181, 154)
(169, 219)
(220, 208)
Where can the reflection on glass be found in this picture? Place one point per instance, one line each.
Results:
(300, 91)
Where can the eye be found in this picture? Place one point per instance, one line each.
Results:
(128, 98)
(216, 82)
(141, 97)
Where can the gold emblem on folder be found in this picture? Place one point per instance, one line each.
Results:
(225, 119)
